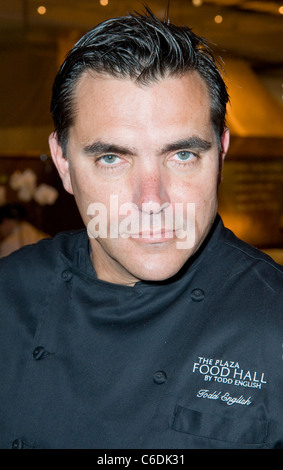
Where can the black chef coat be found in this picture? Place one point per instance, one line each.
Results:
(193, 362)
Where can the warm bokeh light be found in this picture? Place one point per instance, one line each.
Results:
(41, 10)
(197, 3)
(218, 19)
(103, 2)
(280, 9)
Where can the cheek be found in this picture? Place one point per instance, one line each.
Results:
(99, 198)
(83, 190)
(200, 190)
(196, 190)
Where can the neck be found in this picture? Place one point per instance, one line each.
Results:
(107, 269)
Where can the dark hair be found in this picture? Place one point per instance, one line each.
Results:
(143, 48)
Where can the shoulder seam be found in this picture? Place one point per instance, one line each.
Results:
(253, 256)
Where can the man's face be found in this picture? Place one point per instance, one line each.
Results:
(152, 148)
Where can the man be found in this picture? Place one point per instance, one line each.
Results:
(158, 329)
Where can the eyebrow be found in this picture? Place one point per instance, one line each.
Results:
(98, 148)
(194, 143)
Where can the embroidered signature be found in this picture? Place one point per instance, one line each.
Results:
(226, 397)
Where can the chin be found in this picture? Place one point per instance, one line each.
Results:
(157, 276)
(159, 271)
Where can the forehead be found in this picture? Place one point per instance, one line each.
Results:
(103, 102)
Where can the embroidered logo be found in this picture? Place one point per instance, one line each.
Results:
(228, 372)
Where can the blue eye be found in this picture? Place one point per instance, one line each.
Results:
(110, 159)
(184, 155)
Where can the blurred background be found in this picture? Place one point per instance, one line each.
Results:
(35, 36)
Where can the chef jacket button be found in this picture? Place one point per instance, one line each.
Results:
(17, 444)
(159, 377)
(66, 275)
(197, 295)
(39, 353)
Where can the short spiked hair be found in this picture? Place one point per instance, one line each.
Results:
(145, 49)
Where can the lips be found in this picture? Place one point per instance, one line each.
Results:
(154, 236)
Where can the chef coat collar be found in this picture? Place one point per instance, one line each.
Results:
(78, 258)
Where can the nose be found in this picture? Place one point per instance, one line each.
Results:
(151, 190)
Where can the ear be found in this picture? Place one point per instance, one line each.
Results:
(225, 141)
(61, 162)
